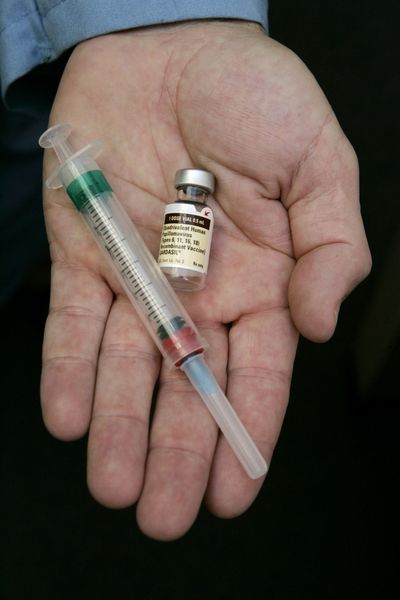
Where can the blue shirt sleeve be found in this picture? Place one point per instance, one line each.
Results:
(33, 32)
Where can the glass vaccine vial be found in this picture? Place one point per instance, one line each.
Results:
(187, 231)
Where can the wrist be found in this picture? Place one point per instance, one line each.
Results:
(197, 23)
(201, 26)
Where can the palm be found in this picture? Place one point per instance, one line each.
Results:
(233, 116)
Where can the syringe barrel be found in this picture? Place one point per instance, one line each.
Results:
(145, 285)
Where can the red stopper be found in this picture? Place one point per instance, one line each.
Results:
(181, 344)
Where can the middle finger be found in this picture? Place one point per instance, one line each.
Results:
(182, 443)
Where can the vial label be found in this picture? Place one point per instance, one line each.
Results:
(186, 237)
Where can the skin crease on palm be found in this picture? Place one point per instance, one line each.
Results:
(288, 246)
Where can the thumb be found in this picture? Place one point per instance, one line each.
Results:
(328, 235)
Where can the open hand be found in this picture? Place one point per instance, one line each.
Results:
(288, 246)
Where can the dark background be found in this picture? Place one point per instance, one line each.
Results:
(323, 526)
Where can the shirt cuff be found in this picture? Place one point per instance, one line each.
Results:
(44, 29)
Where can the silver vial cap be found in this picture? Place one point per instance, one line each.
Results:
(198, 177)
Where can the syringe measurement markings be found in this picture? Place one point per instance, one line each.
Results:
(146, 297)
(158, 313)
(108, 231)
(112, 246)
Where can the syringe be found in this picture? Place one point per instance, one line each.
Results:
(166, 320)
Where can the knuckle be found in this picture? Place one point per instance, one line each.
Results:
(126, 351)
